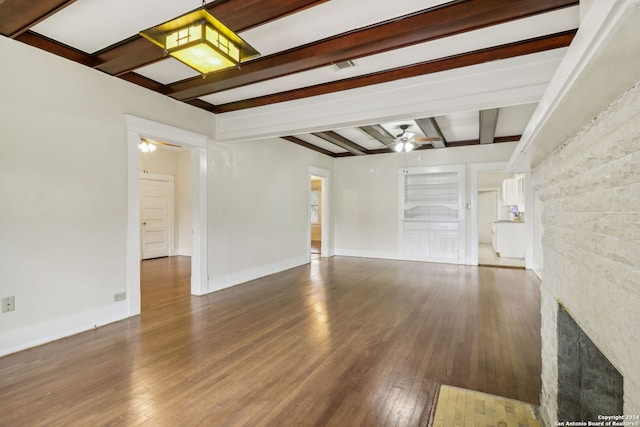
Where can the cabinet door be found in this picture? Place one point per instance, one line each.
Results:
(416, 244)
(510, 192)
(444, 244)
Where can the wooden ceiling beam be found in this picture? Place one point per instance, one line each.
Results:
(52, 46)
(430, 128)
(434, 23)
(305, 144)
(526, 47)
(18, 16)
(342, 142)
(379, 133)
(498, 140)
(488, 122)
(239, 15)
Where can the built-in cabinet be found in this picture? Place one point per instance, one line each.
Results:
(431, 214)
(513, 192)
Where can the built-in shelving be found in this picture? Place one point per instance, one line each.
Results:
(432, 213)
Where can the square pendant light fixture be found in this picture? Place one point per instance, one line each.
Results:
(200, 41)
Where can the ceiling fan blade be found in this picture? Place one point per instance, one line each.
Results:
(426, 139)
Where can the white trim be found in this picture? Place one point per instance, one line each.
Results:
(136, 128)
(461, 170)
(512, 81)
(19, 339)
(236, 278)
(608, 39)
(474, 169)
(199, 238)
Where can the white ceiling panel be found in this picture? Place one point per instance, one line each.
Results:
(512, 120)
(312, 24)
(92, 25)
(493, 36)
(319, 142)
(167, 71)
(460, 126)
(361, 138)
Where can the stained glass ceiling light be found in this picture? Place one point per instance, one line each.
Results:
(200, 41)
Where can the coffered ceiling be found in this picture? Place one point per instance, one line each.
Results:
(312, 49)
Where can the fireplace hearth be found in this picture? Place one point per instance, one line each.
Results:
(589, 386)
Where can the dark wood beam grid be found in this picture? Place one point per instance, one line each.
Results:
(381, 135)
(430, 128)
(134, 52)
(305, 144)
(17, 16)
(449, 19)
(342, 142)
(235, 14)
(506, 51)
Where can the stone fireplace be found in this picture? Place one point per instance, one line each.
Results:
(589, 190)
(589, 386)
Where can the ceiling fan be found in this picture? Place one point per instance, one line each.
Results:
(406, 141)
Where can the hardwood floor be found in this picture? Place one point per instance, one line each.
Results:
(340, 342)
(164, 280)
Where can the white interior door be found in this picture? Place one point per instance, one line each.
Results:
(156, 216)
(487, 214)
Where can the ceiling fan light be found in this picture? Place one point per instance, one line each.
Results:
(146, 147)
(398, 147)
(408, 146)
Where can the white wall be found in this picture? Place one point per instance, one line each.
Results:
(63, 191)
(63, 195)
(366, 206)
(258, 208)
(591, 192)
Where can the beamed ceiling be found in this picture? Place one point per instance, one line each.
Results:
(312, 49)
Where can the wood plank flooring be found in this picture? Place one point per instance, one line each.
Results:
(164, 280)
(338, 342)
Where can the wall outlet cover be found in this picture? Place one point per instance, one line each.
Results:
(8, 304)
(120, 296)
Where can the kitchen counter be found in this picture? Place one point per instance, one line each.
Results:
(509, 238)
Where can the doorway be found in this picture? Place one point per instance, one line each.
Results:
(496, 228)
(138, 128)
(165, 223)
(318, 219)
(315, 215)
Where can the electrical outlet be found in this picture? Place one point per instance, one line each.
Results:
(120, 296)
(8, 304)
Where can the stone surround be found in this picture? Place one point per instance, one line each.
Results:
(590, 188)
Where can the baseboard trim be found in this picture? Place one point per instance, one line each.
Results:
(233, 279)
(55, 329)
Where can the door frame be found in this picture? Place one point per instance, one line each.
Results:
(475, 169)
(138, 127)
(170, 214)
(325, 244)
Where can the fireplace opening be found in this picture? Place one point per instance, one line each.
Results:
(589, 386)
